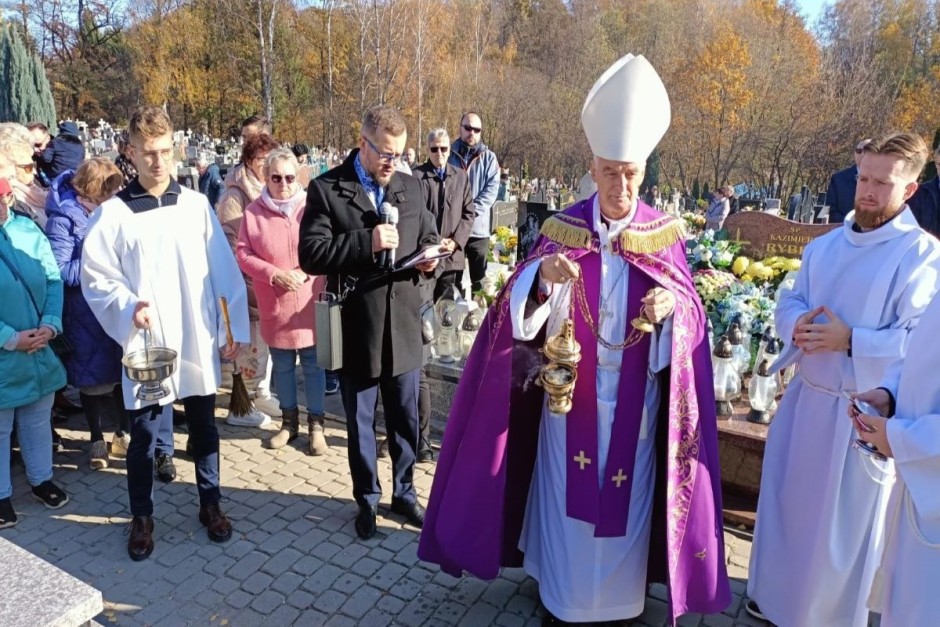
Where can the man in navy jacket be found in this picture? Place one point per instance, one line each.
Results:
(840, 197)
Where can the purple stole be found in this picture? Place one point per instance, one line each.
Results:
(607, 505)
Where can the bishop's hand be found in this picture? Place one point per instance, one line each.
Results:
(658, 304)
(558, 269)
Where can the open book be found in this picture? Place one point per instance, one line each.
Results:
(425, 254)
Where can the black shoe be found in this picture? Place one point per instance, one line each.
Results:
(51, 495)
(332, 385)
(7, 515)
(412, 512)
(166, 471)
(425, 453)
(754, 610)
(365, 521)
(140, 543)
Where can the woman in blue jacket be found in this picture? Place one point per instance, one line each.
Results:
(94, 364)
(30, 373)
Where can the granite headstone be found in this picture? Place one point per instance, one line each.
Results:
(763, 235)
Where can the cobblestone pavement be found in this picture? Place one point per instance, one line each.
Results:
(294, 557)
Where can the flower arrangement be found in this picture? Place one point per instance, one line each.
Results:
(711, 251)
(694, 222)
(503, 246)
(493, 282)
(770, 271)
(745, 303)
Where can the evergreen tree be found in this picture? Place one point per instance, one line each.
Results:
(26, 96)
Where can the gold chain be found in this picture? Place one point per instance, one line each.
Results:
(632, 338)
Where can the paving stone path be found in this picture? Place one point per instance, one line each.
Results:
(294, 557)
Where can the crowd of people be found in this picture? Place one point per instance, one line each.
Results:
(595, 498)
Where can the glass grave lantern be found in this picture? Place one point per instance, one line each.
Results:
(740, 353)
(762, 394)
(447, 338)
(765, 339)
(727, 377)
(468, 333)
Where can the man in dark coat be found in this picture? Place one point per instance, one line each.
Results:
(343, 237)
(447, 196)
(210, 180)
(925, 203)
(63, 153)
(840, 196)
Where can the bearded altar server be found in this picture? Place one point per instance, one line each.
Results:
(860, 292)
(906, 589)
(156, 260)
(584, 501)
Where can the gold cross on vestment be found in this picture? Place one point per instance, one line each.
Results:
(619, 477)
(581, 459)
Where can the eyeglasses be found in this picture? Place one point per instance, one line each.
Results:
(439, 149)
(472, 129)
(288, 178)
(155, 155)
(384, 157)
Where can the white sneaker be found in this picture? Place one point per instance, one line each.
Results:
(120, 444)
(268, 404)
(254, 418)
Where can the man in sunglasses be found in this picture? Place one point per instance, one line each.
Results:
(343, 237)
(447, 196)
(471, 155)
(840, 197)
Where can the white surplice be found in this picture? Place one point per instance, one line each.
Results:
(583, 578)
(908, 593)
(819, 517)
(177, 259)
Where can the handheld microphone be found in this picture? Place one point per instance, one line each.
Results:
(389, 215)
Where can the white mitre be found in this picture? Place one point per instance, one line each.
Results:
(627, 112)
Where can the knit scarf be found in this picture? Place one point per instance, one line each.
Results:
(286, 207)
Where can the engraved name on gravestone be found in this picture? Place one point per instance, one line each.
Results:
(762, 235)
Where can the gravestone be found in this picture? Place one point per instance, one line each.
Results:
(531, 217)
(763, 235)
(504, 213)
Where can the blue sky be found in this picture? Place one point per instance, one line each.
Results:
(811, 9)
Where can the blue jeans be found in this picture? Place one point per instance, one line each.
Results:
(35, 436)
(284, 376)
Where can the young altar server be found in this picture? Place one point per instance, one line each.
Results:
(905, 592)
(156, 260)
(860, 292)
(624, 488)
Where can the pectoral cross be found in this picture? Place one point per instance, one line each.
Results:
(581, 459)
(619, 477)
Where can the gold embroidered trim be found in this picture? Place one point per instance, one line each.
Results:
(652, 237)
(567, 231)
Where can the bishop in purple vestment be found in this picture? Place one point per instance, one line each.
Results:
(623, 489)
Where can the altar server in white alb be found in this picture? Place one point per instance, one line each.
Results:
(905, 590)
(861, 291)
(156, 260)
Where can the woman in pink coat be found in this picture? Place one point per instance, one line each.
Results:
(267, 252)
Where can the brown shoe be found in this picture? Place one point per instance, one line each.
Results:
(217, 523)
(140, 543)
